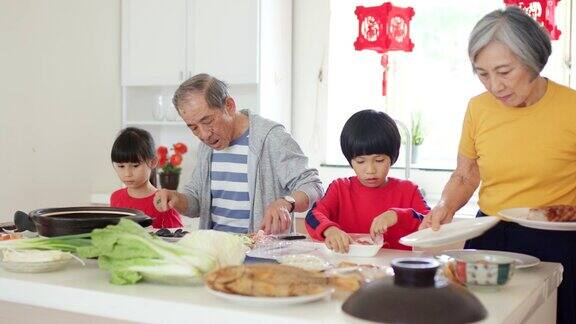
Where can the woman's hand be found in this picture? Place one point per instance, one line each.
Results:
(381, 223)
(464, 180)
(337, 240)
(437, 216)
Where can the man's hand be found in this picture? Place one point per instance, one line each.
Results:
(276, 217)
(337, 240)
(165, 199)
(438, 215)
(381, 223)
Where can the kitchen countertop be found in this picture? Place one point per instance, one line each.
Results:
(529, 295)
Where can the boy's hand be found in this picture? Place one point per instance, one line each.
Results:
(337, 240)
(381, 223)
(165, 199)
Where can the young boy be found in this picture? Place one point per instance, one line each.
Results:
(371, 202)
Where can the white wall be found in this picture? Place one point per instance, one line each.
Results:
(59, 101)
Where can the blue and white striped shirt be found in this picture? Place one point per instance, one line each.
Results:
(230, 209)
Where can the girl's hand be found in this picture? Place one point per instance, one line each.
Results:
(381, 223)
(337, 240)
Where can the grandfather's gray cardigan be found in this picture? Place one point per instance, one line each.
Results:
(276, 167)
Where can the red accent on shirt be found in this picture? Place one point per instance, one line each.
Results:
(168, 219)
(352, 207)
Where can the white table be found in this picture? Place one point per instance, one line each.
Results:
(80, 293)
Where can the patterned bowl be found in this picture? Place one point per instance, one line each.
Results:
(484, 269)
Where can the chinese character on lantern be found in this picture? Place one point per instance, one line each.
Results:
(384, 28)
(542, 11)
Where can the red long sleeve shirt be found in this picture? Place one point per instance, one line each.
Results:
(352, 207)
(168, 219)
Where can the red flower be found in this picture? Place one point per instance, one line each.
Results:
(176, 159)
(162, 161)
(180, 148)
(170, 163)
(162, 151)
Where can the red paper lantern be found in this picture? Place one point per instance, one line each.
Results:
(384, 28)
(542, 11)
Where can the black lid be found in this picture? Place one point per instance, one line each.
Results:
(413, 296)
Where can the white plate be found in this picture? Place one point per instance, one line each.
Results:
(269, 301)
(305, 261)
(35, 267)
(520, 216)
(450, 233)
(522, 260)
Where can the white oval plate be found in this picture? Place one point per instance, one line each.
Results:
(522, 260)
(450, 233)
(305, 261)
(520, 216)
(269, 301)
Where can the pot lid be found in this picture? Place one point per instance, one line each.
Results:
(414, 296)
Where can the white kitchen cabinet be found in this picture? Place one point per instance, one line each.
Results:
(224, 39)
(153, 42)
(164, 42)
(246, 43)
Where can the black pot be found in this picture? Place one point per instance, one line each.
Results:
(75, 220)
(414, 296)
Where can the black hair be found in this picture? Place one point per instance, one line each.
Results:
(370, 132)
(133, 145)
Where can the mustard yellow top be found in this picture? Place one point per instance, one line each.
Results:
(526, 156)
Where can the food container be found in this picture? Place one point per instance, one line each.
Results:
(484, 269)
(363, 246)
(76, 220)
(399, 299)
(33, 261)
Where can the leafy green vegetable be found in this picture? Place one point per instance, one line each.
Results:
(229, 249)
(131, 254)
(68, 243)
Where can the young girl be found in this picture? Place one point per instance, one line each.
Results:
(371, 202)
(133, 156)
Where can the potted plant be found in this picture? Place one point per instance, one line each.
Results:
(417, 134)
(170, 165)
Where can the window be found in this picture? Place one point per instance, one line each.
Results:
(435, 79)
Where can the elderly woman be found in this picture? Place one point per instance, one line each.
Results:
(519, 142)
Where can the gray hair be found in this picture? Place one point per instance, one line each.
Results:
(215, 91)
(516, 30)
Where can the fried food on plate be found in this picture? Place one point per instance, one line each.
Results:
(270, 280)
(556, 213)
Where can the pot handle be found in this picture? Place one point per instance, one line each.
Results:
(23, 222)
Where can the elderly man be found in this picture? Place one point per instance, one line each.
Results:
(250, 174)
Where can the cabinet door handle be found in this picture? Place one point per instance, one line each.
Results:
(181, 75)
